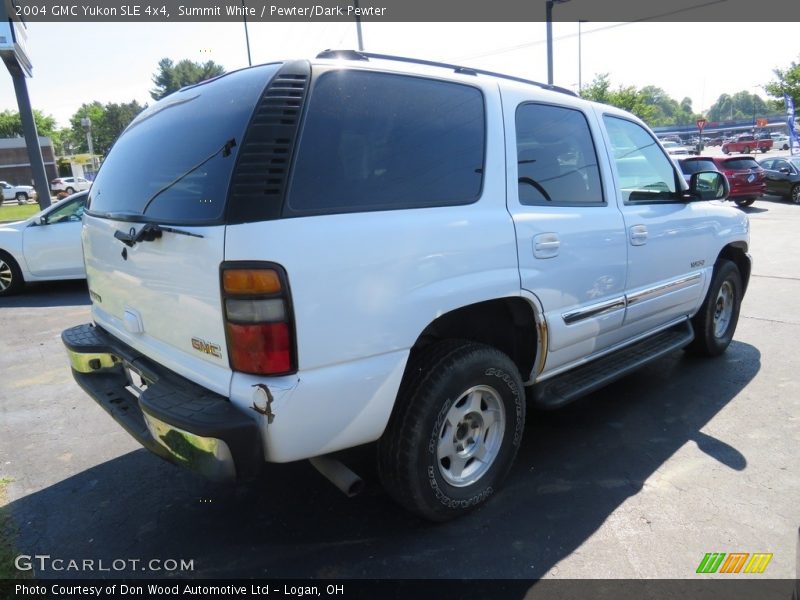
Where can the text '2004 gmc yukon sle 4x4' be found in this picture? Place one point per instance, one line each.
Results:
(363, 248)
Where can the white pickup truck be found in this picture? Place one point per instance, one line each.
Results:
(20, 193)
(361, 248)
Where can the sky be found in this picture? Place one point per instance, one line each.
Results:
(74, 63)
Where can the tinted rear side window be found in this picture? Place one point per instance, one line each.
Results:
(377, 141)
(556, 160)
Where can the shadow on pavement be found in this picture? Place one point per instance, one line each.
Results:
(48, 294)
(575, 468)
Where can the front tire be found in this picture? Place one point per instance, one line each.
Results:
(21, 197)
(70, 191)
(10, 275)
(744, 201)
(455, 429)
(715, 322)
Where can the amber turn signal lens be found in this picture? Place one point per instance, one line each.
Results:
(251, 281)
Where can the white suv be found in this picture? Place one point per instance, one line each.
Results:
(362, 248)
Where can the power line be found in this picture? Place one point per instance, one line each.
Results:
(588, 32)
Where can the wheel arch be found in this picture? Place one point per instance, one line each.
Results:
(736, 252)
(511, 324)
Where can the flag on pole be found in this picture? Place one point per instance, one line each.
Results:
(793, 141)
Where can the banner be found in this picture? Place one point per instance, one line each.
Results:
(793, 141)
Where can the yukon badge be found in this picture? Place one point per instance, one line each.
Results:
(206, 347)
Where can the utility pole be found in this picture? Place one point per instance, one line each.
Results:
(358, 27)
(246, 36)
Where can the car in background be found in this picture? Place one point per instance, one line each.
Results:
(20, 193)
(783, 142)
(675, 149)
(747, 143)
(783, 177)
(746, 178)
(70, 184)
(46, 246)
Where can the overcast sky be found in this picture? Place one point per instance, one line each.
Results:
(114, 62)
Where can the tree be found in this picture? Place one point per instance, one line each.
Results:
(786, 81)
(11, 124)
(108, 122)
(742, 105)
(171, 77)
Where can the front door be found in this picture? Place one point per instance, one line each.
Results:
(52, 248)
(669, 238)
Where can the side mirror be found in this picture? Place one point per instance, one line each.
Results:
(43, 220)
(709, 185)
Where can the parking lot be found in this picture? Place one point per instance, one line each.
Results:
(641, 479)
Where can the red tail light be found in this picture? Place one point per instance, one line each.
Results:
(258, 318)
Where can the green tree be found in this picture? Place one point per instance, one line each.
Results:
(171, 77)
(741, 105)
(108, 122)
(786, 81)
(11, 124)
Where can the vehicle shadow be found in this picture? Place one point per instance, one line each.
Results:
(576, 466)
(49, 294)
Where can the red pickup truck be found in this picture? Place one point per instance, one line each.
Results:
(746, 143)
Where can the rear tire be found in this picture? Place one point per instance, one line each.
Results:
(455, 429)
(744, 201)
(70, 191)
(21, 197)
(11, 280)
(794, 195)
(715, 322)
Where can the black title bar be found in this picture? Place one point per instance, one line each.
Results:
(711, 11)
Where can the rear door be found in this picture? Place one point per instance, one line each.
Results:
(169, 173)
(570, 238)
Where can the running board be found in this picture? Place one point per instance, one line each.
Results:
(569, 386)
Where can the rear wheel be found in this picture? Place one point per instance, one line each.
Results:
(715, 322)
(21, 197)
(70, 190)
(795, 193)
(10, 275)
(744, 201)
(455, 429)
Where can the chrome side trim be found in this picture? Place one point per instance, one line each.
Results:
(609, 350)
(595, 310)
(666, 288)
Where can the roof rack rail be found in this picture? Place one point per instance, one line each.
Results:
(359, 55)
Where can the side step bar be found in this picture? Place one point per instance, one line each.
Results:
(569, 386)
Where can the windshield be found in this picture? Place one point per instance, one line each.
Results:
(173, 137)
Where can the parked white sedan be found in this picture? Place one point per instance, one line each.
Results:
(46, 246)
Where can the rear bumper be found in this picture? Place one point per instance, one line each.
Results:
(172, 417)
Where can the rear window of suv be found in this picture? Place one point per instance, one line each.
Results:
(689, 167)
(741, 163)
(380, 141)
(184, 134)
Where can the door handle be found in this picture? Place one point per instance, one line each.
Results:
(638, 234)
(546, 245)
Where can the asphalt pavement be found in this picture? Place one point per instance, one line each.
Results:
(639, 480)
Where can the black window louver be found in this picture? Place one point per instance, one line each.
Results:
(258, 185)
